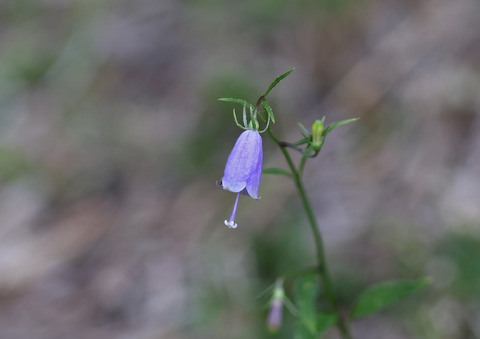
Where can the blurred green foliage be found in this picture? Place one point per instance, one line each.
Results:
(462, 252)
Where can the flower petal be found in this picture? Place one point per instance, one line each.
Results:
(253, 181)
(242, 161)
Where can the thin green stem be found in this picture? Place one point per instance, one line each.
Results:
(322, 264)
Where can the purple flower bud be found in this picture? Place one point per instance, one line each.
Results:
(244, 169)
(274, 319)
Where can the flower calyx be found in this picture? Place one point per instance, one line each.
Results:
(250, 114)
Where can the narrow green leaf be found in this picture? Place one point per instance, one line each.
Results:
(306, 290)
(303, 129)
(311, 323)
(277, 171)
(305, 293)
(343, 122)
(237, 101)
(268, 109)
(385, 294)
(277, 80)
(324, 321)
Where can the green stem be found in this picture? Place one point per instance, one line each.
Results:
(322, 264)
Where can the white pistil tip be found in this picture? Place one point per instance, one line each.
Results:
(231, 224)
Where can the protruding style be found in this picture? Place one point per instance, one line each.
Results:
(243, 170)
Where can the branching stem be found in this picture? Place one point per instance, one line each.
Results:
(322, 264)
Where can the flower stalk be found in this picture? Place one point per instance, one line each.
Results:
(322, 264)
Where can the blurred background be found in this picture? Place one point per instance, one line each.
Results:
(112, 138)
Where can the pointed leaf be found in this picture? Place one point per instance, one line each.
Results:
(324, 321)
(306, 292)
(277, 80)
(385, 294)
(311, 323)
(303, 129)
(268, 109)
(277, 171)
(343, 122)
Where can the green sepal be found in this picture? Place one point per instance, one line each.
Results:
(253, 121)
(236, 121)
(277, 80)
(267, 126)
(379, 296)
(237, 101)
(306, 132)
(265, 292)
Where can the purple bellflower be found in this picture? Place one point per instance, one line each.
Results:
(243, 170)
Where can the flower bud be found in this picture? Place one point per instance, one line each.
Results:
(275, 314)
(274, 319)
(317, 131)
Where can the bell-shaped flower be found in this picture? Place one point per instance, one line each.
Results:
(244, 169)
